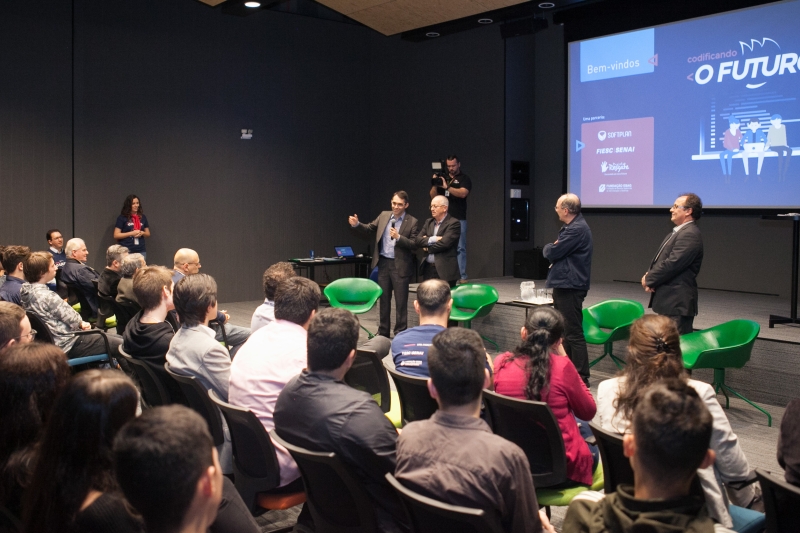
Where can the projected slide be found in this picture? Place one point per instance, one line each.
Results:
(708, 105)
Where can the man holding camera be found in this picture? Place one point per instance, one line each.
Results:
(456, 186)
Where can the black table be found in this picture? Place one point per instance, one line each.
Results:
(792, 318)
(360, 265)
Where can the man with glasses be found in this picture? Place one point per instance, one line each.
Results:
(14, 325)
(456, 186)
(439, 238)
(570, 259)
(672, 277)
(395, 232)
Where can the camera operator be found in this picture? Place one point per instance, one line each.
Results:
(456, 187)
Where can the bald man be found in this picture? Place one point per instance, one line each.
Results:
(570, 269)
(187, 262)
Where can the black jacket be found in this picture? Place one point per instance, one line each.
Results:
(444, 252)
(571, 256)
(673, 273)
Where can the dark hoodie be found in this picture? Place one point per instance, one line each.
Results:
(148, 342)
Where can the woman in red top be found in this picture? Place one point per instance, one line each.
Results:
(540, 370)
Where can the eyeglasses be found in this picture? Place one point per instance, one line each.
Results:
(434, 206)
(676, 206)
(32, 335)
(395, 204)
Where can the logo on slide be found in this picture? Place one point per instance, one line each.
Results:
(603, 168)
(774, 63)
(601, 135)
(602, 187)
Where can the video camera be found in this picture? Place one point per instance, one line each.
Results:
(439, 173)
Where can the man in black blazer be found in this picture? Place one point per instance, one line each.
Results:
(438, 238)
(671, 279)
(395, 234)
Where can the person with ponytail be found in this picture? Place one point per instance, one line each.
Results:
(654, 354)
(540, 370)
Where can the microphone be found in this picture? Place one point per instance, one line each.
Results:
(392, 227)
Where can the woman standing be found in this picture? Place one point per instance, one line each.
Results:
(132, 228)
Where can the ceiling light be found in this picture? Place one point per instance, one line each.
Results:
(547, 5)
(256, 4)
(485, 21)
(432, 34)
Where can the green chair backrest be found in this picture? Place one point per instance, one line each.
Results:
(349, 291)
(726, 345)
(611, 314)
(475, 296)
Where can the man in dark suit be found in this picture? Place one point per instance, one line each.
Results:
(438, 238)
(77, 272)
(395, 232)
(671, 279)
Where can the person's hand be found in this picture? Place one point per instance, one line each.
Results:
(644, 281)
(546, 525)
(393, 233)
(225, 314)
(556, 242)
(438, 238)
(85, 326)
(353, 220)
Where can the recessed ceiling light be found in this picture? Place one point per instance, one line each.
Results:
(252, 4)
(432, 34)
(485, 21)
(547, 5)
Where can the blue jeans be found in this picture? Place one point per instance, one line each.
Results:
(462, 250)
(727, 154)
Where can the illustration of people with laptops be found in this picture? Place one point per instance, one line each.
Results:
(754, 140)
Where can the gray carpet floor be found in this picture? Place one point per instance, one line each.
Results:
(758, 441)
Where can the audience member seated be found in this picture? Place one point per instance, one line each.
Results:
(125, 292)
(318, 411)
(13, 258)
(56, 247)
(410, 347)
(454, 457)
(193, 350)
(148, 334)
(654, 352)
(168, 469)
(77, 272)
(14, 326)
(669, 441)
(73, 486)
(789, 443)
(2, 270)
(31, 377)
(61, 319)
(187, 262)
(109, 278)
(540, 370)
(265, 313)
(272, 356)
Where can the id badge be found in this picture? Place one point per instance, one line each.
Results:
(135, 241)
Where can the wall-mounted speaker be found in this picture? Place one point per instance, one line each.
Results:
(520, 219)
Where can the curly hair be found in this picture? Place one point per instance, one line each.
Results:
(543, 328)
(127, 206)
(654, 353)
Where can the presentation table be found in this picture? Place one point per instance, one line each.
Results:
(792, 318)
(360, 265)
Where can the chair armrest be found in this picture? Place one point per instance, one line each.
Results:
(96, 332)
(739, 485)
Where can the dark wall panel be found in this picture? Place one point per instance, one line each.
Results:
(520, 138)
(163, 90)
(35, 121)
(431, 99)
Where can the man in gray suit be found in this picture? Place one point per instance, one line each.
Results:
(395, 232)
(438, 238)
